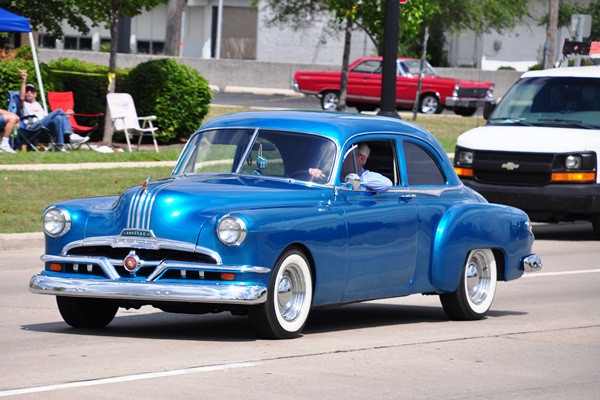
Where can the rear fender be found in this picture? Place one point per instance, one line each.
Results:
(465, 227)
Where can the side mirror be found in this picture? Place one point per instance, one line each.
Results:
(353, 181)
(488, 108)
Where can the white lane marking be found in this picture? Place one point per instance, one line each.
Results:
(583, 271)
(125, 378)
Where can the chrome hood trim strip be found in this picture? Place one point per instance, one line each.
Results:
(142, 243)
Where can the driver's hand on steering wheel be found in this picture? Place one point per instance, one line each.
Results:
(317, 173)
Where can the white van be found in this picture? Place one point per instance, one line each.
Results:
(540, 150)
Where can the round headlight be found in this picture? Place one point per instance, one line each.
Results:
(231, 230)
(56, 221)
(465, 157)
(573, 162)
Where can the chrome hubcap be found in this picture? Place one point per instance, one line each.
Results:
(478, 278)
(330, 101)
(291, 293)
(429, 105)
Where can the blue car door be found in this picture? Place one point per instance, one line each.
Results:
(382, 230)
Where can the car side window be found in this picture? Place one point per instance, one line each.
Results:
(368, 67)
(421, 167)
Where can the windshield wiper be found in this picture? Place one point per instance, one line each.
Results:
(573, 122)
(511, 121)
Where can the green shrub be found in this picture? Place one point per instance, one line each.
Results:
(11, 78)
(536, 67)
(175, 93)
(506, 68)
(23, 52)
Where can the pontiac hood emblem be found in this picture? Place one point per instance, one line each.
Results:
(510, 166)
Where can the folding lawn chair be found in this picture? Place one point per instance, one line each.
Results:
(31, 137)
(124, 118)
(64, 101)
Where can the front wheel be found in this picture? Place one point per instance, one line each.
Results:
(86, 313)
(330, 100)
(465, 111)
(289, 299)
(475, 293)
(596, 224)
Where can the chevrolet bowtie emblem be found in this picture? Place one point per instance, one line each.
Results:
(510, 166)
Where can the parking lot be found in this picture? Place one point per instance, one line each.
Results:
(541, 340)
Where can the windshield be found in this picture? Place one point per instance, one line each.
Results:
(412, 67)
(551, 101)
(273, 154)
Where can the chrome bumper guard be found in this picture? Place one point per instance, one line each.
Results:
(532, 263)
(467, 101)
(114, 287)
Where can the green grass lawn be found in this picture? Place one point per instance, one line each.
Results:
(25, 194)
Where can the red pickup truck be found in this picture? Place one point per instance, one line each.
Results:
(364, 88)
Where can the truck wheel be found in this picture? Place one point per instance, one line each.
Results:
(476, 289)
(596, 224)
(330, 100)
(289, 299)
(465, 111)
(430, 104)
(86, 313)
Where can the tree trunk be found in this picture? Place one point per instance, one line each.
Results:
(112, 69)
(550, 58)
(346, 58)
(173, 33)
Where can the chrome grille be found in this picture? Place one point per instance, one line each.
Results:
(120, 253)
(472, 92)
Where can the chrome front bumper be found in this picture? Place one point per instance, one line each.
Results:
(470, 102)
(149, 291)
(532, 263)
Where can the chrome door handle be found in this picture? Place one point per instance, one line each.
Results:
(407, 197)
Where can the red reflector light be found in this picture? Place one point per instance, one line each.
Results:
(574, 177)
(465, 172)
(56, 267)
(227, 277)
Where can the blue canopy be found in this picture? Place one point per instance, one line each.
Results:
(10, 22)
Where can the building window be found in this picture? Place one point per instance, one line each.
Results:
(150, 47)
(78, 43)
(47, 41)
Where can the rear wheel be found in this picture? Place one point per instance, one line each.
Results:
(86, 313)
(430, 104)
(330, 100)
(289, 299)
(475, 293)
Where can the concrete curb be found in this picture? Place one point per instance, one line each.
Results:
(15, 241)
(69, 167)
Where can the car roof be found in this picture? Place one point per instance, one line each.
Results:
(575, 72)
(337, 126)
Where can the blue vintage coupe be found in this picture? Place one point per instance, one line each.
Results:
(270, 214)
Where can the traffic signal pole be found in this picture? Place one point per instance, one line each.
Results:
(390, 57)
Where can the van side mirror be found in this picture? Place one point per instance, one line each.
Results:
(488, 108)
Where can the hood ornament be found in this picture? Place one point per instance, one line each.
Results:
(145, 183)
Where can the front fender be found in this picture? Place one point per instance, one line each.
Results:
(465, 227)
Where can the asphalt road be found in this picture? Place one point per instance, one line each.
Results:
(540, 341)
(279, 101)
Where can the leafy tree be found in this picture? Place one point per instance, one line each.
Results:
(49, 13)
(108, 12)
(566, 10)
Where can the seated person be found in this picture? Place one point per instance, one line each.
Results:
(8, 121)
(56, 122)
(372, 180)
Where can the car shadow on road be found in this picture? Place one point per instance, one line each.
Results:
(225, 327)
(567, 231)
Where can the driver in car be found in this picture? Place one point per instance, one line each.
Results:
(372, 180)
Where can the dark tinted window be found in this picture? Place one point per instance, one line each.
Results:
(368, 67)
(421, 168)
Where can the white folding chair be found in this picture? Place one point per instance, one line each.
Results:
(124, 118)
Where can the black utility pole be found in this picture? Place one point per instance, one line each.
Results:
(390, 57)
